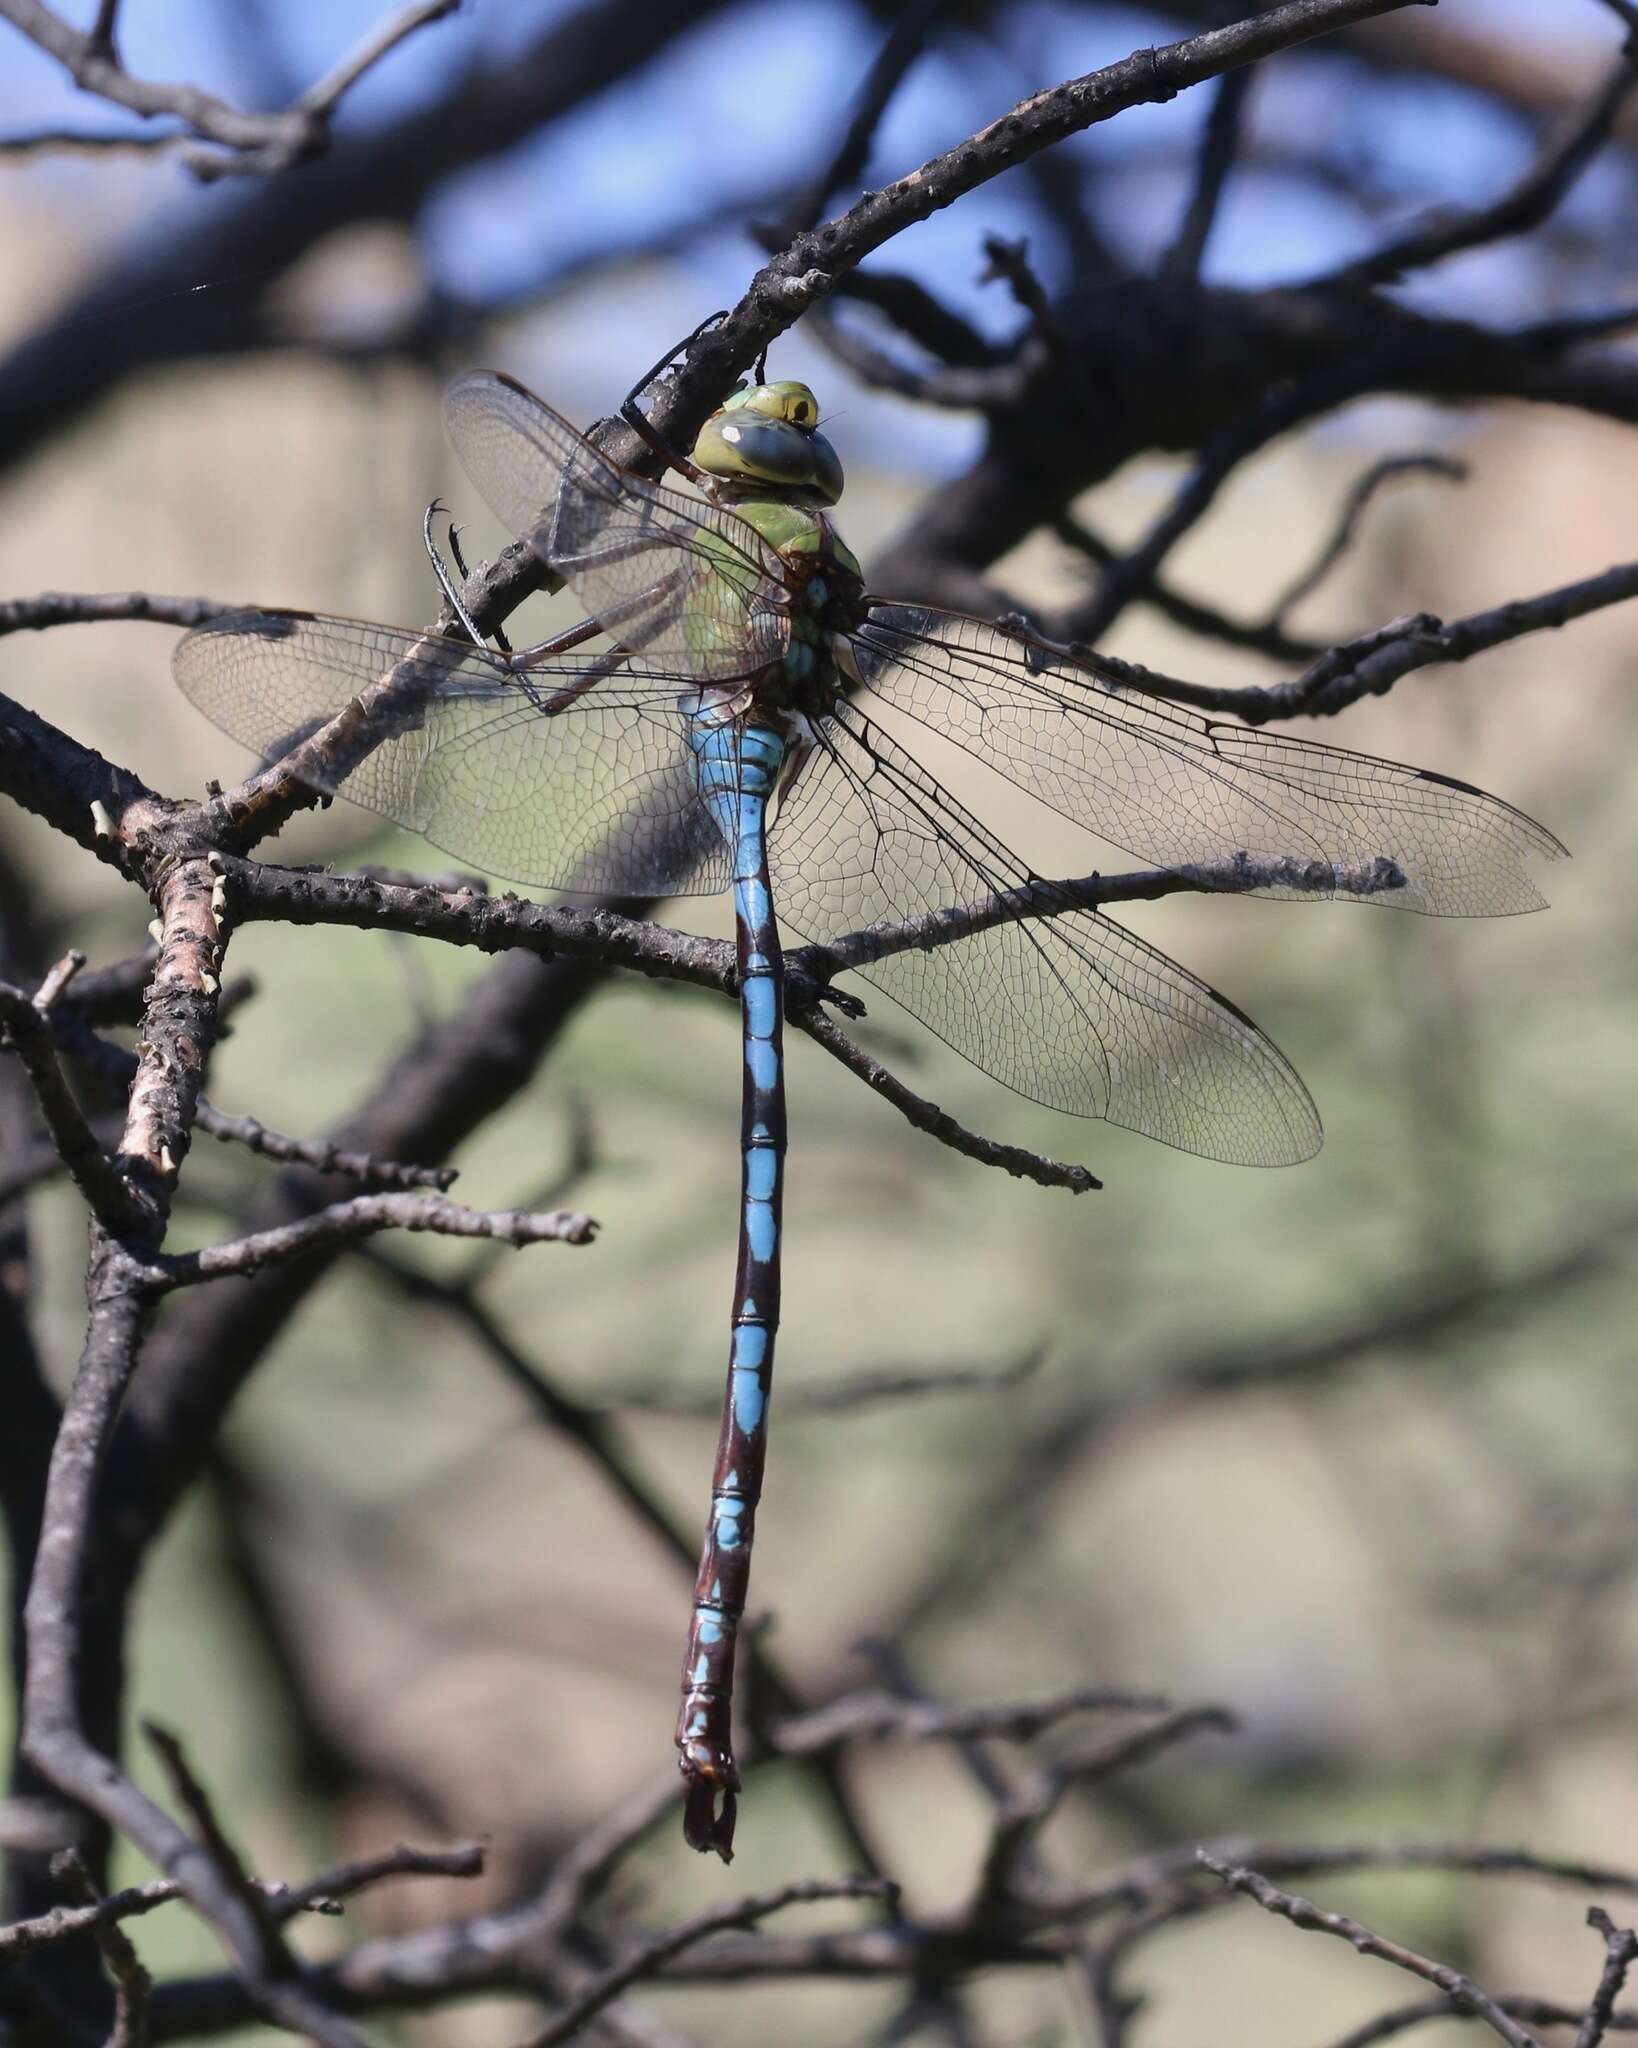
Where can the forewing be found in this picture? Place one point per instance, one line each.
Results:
(681, 578)
(1071, 1011)
(1175, 787)
(565, 777)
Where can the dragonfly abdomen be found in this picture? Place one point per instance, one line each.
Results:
(738, 766)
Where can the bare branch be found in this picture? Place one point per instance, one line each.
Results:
(807, 269)
(320, 98)
(364, 1216)
(132, 1984)
(1621, 1951)
(1371, 664)
(112, 1199)
(70, 608)
(271, 1969)
(842, 1396)
(1022, 1817)
(321, 1894)
(1360, 494)
(651, 1955)
(928, 1117)
(1464, 1995)
(894, 59)
(1578, 139)
(1219, 146)
(318, 1153)
(117, 1066)
(257, 142)
(51, 989)
(1188, 612)
(869, 1716)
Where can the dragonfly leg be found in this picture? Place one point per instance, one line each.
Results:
(502, 644)
(738, 766)
(641, 425)
(440, 569)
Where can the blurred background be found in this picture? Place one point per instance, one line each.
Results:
(1351, 1449)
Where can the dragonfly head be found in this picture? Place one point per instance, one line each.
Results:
(769, 434)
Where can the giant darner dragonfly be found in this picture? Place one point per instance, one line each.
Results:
(737, 733)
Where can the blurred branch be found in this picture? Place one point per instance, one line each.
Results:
(1360, 494)
(806, 270)
(1219, 147)
(843, 1396)
(1462, 1993)
(132, 1984)
(28, 1033)
(1029, 1483)
(1023, 1815)
(1579, 138)
(872, 1716)
(241, 142)
(652, 1955)
(1204, 620)
(903, 46)
(1537, 2012)
(64, 608)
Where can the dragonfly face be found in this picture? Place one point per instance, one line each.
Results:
(769, 434)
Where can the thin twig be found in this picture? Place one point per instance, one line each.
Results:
(74, 608)
(364, 1216)
(1578, 139)
(842, 1396)
(320, 1894)
(1370, 664)
(1620, 1952)
(900, 50)
(871, 1716)
(1219, 147)
(320, 98)
(653, 1954)
(112, 1199)
(1465, 1996)
(318, 1153)
(240, 141)
(937, 1123)
(1203, 620)
(132, 1983)
(1354, 505)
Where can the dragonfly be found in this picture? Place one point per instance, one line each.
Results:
(753, 723)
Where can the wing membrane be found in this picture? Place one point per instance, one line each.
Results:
(675, 575)
(563, 777)
(1074, 1011)
(1173, 787)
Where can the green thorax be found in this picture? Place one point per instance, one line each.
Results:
(775, 471)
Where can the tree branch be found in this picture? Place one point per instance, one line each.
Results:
(365, 1216)
(1464, 1995)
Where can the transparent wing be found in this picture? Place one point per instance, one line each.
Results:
(672, 574)
(1173, 786)
(1073, 1011)
(573, 776)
